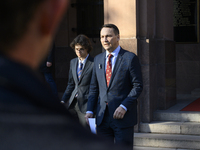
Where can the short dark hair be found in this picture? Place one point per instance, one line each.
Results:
(114, 27)
(14, 18)
(82, 40)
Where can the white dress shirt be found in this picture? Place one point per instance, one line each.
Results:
(81, 61)
(113, 59)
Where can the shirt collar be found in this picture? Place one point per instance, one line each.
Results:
(83, 61)
(114, 53)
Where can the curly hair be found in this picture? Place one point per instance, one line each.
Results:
(82, 40)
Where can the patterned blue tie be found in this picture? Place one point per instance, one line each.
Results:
(80, 70)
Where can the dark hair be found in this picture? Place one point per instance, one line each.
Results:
(114, 27)
(14, 18)
(82, 40)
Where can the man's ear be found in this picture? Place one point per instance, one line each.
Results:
(51, 14)
(118, 37)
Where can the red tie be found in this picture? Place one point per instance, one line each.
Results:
(109, 69)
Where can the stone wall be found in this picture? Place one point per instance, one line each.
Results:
(188, 67)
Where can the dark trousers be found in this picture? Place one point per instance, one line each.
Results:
(75, 111)
(122, 136)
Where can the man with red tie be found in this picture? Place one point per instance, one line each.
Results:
(115, 86)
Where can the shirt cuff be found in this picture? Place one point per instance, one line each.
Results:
(89, 112)
(123, 107)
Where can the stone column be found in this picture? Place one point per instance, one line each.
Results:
(166, 55)
(123, 15)
(156, 50)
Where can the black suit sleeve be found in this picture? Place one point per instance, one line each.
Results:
(70, 85)
(136, 81)
(51, 53)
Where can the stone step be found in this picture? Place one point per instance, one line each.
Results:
(167, 141)
(156, 148)
(181, 116)
(165, 127)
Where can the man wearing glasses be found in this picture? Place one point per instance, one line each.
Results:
(80, 73)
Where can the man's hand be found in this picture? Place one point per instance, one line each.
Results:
(49, 64)
(88, 115)
(119, 113)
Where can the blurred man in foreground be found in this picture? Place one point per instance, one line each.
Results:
(30, 116)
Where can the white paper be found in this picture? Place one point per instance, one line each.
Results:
(92, 125)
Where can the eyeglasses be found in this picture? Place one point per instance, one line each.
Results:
(79, 50)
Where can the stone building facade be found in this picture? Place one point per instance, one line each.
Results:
(170, 69)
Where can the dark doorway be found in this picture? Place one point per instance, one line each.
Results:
(89, 17)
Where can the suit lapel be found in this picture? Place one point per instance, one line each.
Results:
(102, 68)
(74, 70)
(116, 67)
(86, 67)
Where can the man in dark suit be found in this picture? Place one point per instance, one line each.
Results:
(80, 73)
(115, 86)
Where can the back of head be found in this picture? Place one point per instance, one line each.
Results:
(14, 18)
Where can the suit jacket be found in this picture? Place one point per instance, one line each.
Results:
(124, 88)
(31, 117)
(80, 87)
